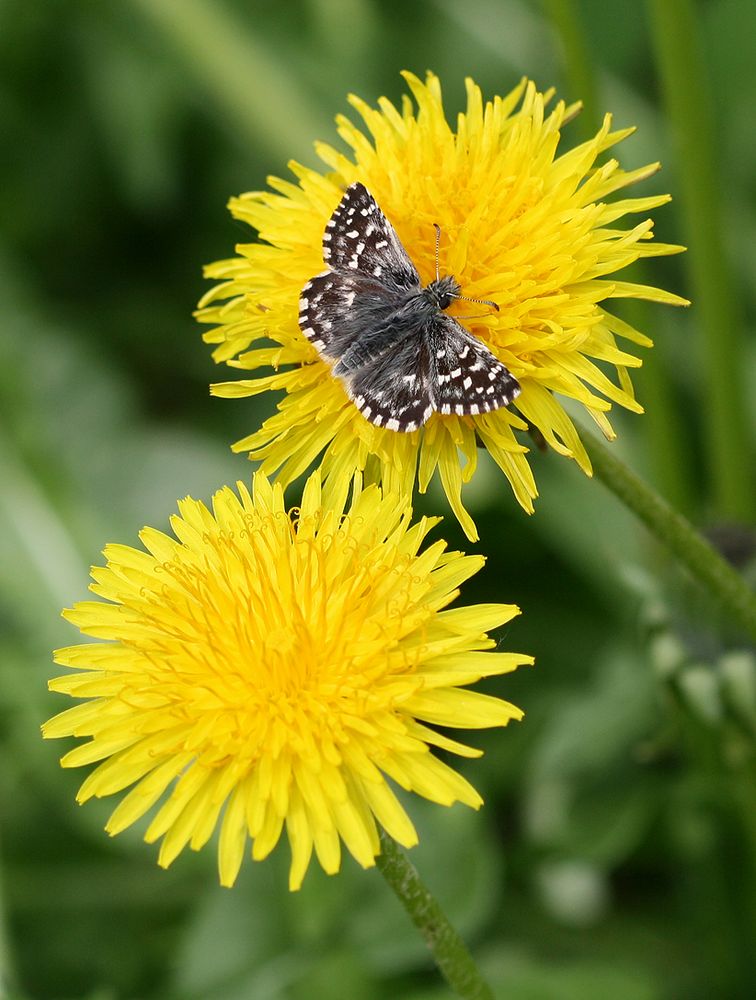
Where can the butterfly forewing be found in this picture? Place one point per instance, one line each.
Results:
(466, 378)
(360, 238)
(336, 310)
(350, 319)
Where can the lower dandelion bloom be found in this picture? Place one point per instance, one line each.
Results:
(536, 233)
(267, 668)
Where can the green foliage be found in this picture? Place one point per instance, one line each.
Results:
(616, 853)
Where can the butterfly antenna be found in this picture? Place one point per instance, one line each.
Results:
(438, 245)
(480, 302)
(464, 298)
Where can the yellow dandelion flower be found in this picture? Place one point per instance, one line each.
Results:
(531, 230)
(265, 669)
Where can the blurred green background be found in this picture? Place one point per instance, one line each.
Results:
(616, 854)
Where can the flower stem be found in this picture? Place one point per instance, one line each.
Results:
(663, 425)
(684, 77)
(448, 949)
(579, 66)
(248, 80)
(677, 533)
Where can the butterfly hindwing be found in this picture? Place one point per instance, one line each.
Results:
(466, 378)
(394, 391)
(359, 237)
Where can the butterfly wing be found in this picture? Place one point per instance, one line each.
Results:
(465, 377)
(358, 237)
(394, 390)
(383, 365)
(348, 318)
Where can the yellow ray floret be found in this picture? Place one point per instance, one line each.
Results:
(266, 669)
(534, 231)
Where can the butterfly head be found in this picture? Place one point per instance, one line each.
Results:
(443, 291)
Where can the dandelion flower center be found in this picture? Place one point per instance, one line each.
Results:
(266, 669)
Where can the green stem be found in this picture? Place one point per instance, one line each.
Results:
(664, 428)
(684, 79)
(447, 947)
(662, 423)
(247, 79)
(678, 534)
(578, 62)
(7, 967)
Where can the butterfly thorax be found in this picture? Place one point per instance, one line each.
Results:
(442, 292)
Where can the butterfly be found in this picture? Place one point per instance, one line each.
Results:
(399, 356)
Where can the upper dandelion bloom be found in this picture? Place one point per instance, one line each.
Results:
(276, 668)
(522, 227)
